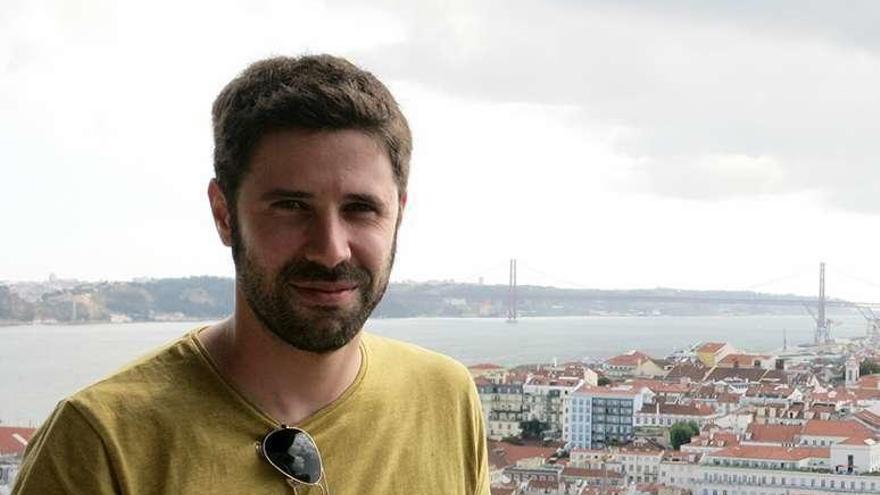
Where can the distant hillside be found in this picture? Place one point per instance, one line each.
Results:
(212, 297)
(149, 300)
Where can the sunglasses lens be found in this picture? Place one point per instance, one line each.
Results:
(293, 452)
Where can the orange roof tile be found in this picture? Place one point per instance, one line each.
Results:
(773, 433)
(633, 358)
(486, 366)
(13, 439)
(617, 391)
(502, 490)
(678, 409)
(711, 347)
(869, 381)
(659, 386)
(859, 440)
(872, 419)
(744, 360)
(830, 428)
(772, 452)
(503, 454)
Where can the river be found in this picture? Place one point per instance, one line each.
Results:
(40, 364)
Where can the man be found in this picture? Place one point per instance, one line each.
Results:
(311, 161)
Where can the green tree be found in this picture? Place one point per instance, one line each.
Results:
(603, 381)
(533, 429)
(868, 367)
(681, 433)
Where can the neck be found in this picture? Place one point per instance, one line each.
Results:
(286, 383)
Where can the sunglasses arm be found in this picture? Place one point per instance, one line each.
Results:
(293, 484)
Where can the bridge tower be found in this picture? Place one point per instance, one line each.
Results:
(823, 327)
(511, 293)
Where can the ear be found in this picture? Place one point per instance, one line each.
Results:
(401, 205)
(220, 212)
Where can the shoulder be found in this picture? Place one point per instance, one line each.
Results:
(66, 452)
(418, 371)
(166, 374)
(411, 358)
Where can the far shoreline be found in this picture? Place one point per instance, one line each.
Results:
(8, 323)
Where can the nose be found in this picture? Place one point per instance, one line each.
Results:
(328, 241)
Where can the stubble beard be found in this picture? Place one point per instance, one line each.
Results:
(318, 329)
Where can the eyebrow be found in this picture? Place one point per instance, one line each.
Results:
(281, 193)
(366, 198)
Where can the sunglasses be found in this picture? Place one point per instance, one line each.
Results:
(294, 454)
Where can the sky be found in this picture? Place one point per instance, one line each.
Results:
(725, 145)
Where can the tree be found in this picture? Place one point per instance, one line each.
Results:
(603, 381)
(868, 367)
(681, 433)
(533, 429)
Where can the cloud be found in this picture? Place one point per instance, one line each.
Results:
(713, 177)
(689, 82)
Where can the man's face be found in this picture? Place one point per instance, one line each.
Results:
(315, 234)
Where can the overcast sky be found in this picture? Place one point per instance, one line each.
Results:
(618, 144)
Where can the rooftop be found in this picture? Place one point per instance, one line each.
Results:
(632, 358)
(486, 366)
(772, 453)
(828, 428)
(742, 360)
(712, 347)
(773, 433)
(693, 372)
(13, 439)
(626, 391)
(503, 454)
(678, 409)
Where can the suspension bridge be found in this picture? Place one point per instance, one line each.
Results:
(817, 308)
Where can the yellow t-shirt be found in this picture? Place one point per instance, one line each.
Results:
(410, 424)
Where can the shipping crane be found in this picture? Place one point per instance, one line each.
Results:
(873, 321)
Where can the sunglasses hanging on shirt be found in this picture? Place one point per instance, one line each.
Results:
(294, 454)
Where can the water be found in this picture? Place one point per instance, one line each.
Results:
(41, 364)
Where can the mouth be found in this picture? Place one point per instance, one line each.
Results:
(326, 293)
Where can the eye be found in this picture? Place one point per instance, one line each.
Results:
(290, 204)
(360, 207)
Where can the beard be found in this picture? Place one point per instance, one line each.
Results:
(312, 328)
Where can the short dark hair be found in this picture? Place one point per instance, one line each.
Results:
(311, 92)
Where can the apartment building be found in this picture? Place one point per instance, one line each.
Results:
(502, 408)
(544, 399)
(710, 353)
(595, 417)
(665, 415)
(742, 470)
(632, 364)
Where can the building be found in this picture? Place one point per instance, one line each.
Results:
(851, 372)
(491, 371)
(640, 465)
(820, 433)
(13, 441)
(502, 408)
(665, 415)
(632, 364)
(544, 399)
(738, 360)
(778, 471)
(599, 416)
(710, 353)
(769, 461)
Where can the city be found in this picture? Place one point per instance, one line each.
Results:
(714, 420)
(707, 419)
(609, 218)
